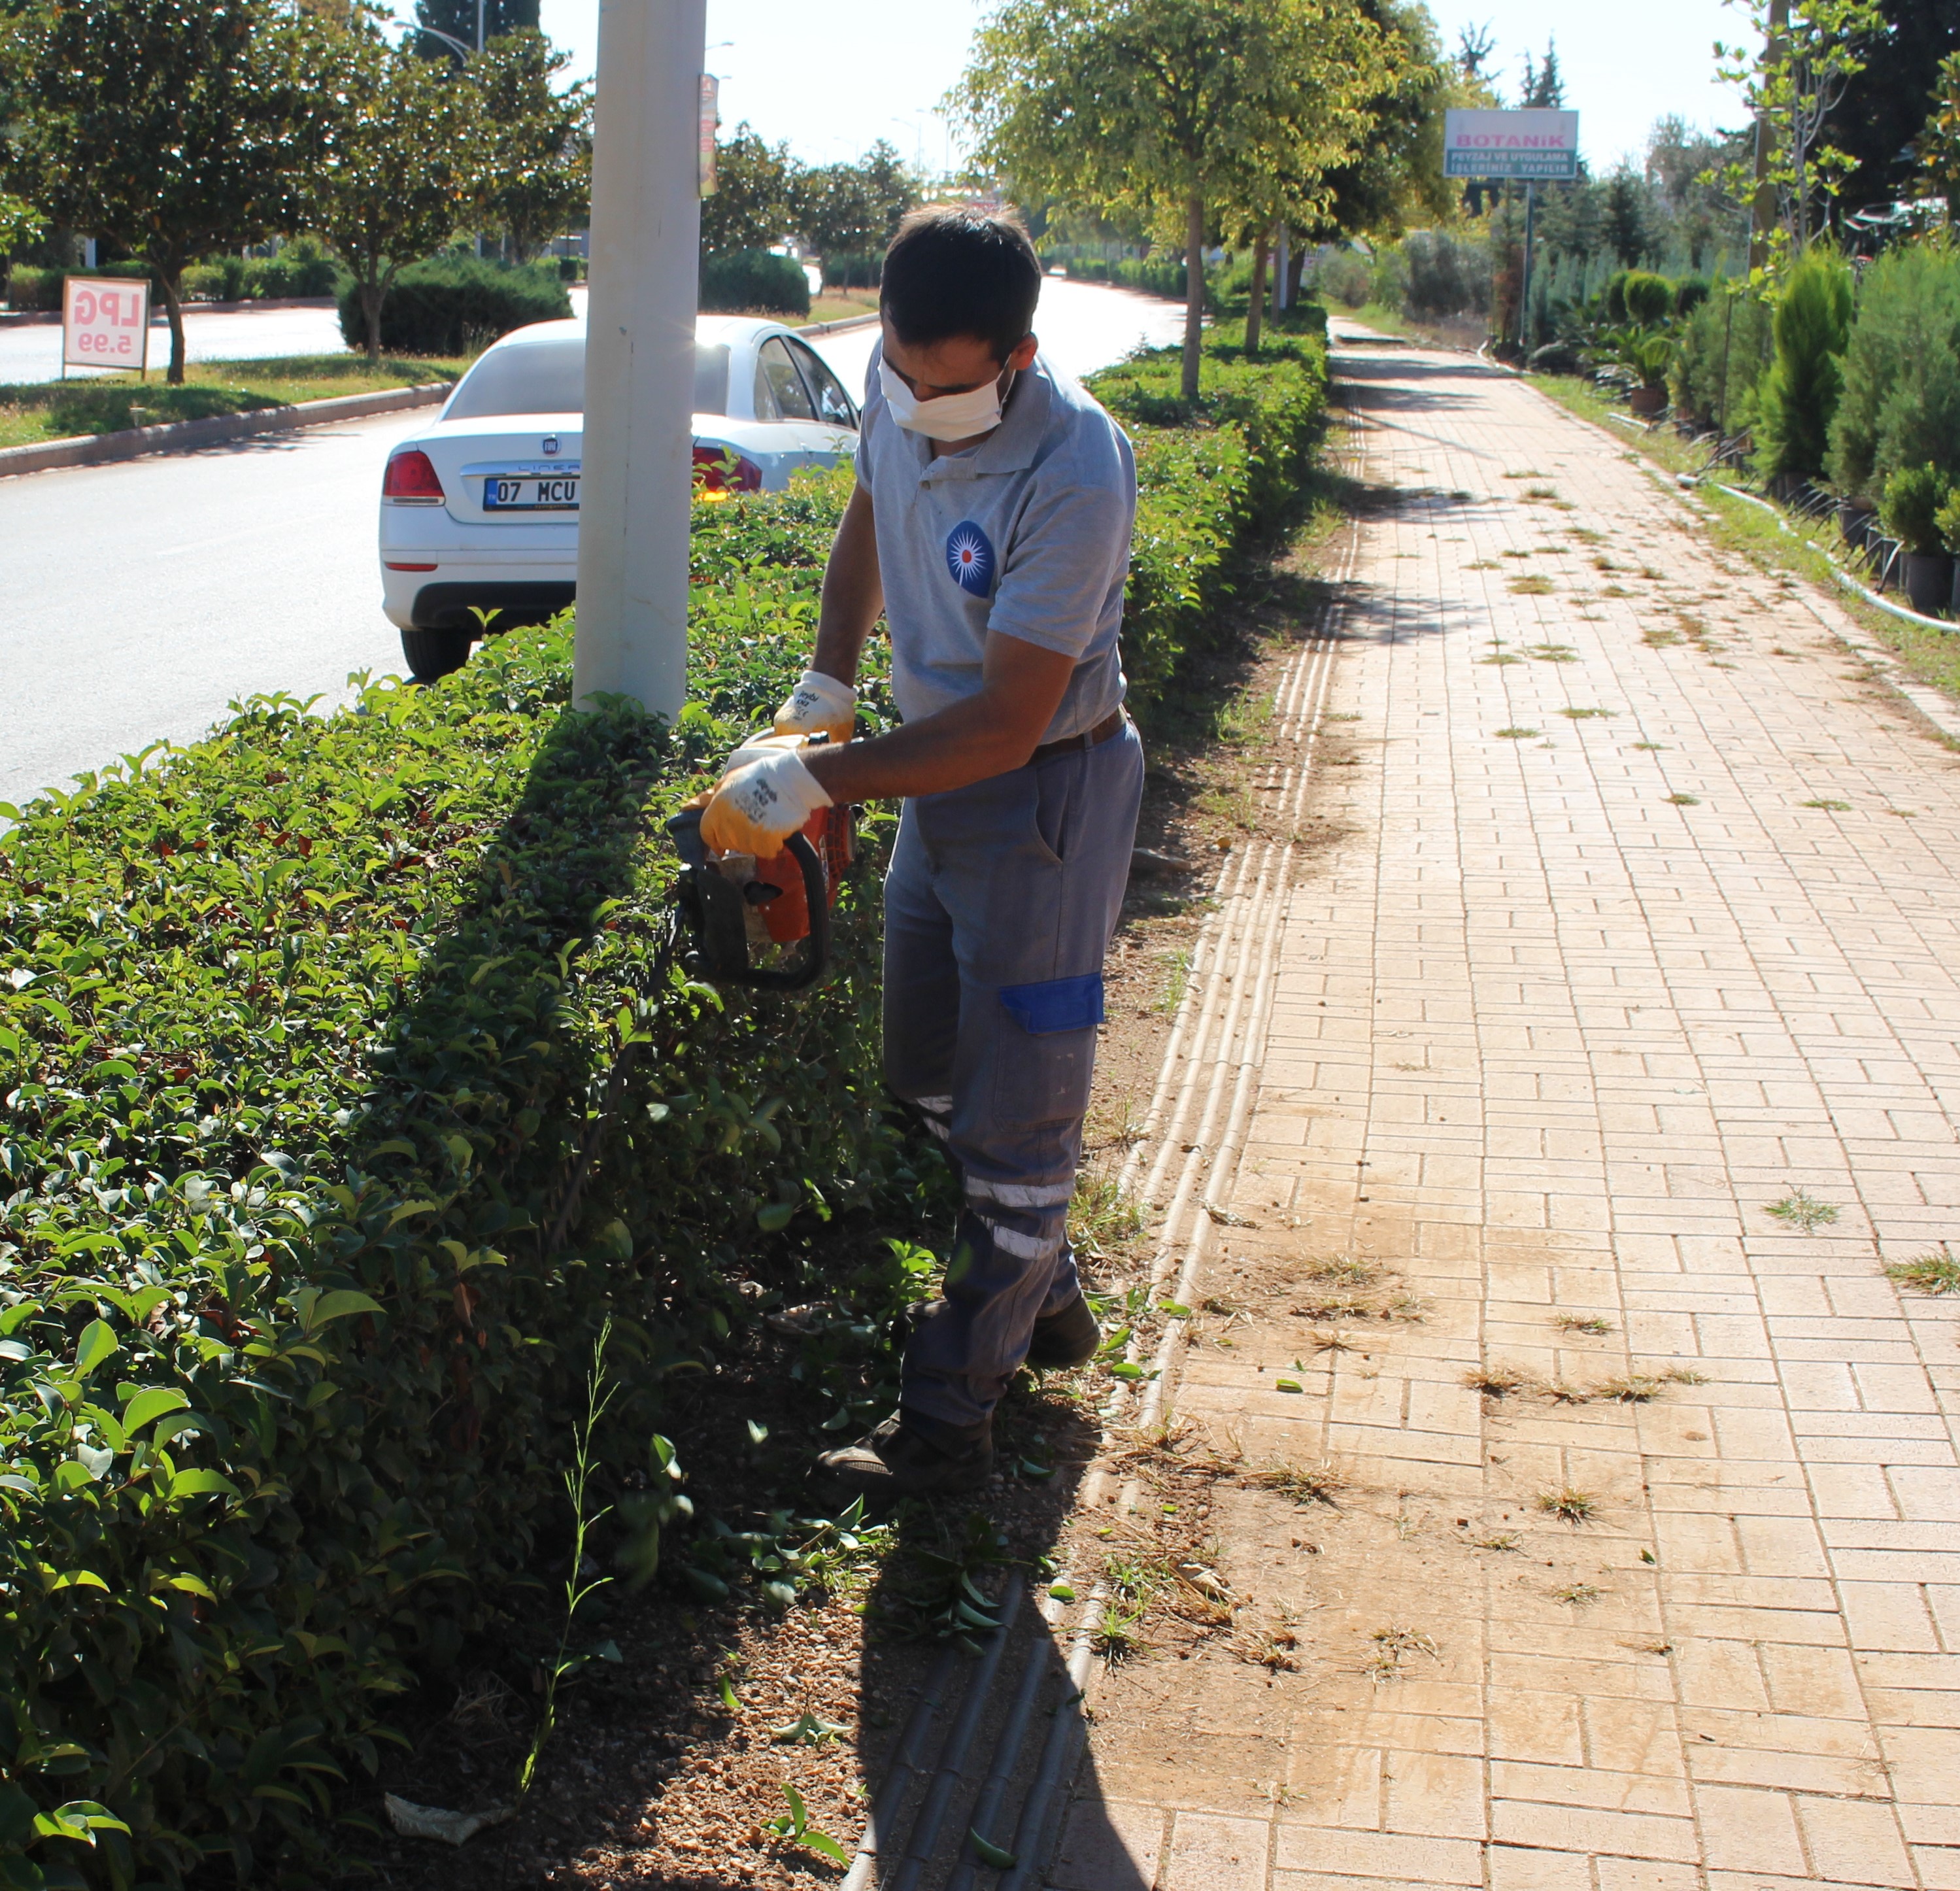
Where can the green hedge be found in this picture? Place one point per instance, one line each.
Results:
(1209, 477)
(302, 267)
(324, 1161)
(754, 281)
(29, 287)
(1901, 405)
(1153, 274)
(1723, 354)
(456, 304)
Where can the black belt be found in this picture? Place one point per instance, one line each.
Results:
(1111, 724)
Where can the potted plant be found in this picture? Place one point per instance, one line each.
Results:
(1650, 358)
(1948, 519)
(1914, 498)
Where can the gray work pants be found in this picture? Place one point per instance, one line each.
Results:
(999, 907)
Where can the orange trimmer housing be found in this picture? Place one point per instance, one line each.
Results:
(787, 915)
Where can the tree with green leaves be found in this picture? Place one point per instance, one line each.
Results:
(534, 167)
(1188, 109)
(1812, 328)
(754, 206)
(1938, 146)
(840, 208)
(171, 127)
(400, 167)
(1806, 53)
(1884, 104)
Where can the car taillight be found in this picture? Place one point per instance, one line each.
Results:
(411, 476)
(722, 470)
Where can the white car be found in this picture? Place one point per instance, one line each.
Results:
(479, 510)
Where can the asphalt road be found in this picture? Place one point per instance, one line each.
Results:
(137, 600)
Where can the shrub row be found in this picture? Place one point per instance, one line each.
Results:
(456, 304)
(348, 1090)
(754, 281)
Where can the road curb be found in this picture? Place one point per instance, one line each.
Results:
(837, 327)
(177, 436)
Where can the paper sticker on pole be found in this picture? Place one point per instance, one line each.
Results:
(1536, 144)
(105, 322)
(709, 124)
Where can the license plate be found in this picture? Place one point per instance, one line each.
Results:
(558, 492)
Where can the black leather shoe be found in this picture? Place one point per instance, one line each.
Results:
(899, 1458)
(1069, 1337)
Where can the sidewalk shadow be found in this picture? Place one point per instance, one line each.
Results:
(1011, 1764)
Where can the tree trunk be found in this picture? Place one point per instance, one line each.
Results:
(1255, 309)
(370, 315)
(167, 281)
(1194, 290)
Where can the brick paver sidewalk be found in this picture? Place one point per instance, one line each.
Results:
(1559, 1017)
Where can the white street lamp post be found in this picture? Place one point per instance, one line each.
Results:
(638, 456)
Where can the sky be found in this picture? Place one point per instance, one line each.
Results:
(834, 77)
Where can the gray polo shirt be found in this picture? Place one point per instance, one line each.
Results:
(1027, 533)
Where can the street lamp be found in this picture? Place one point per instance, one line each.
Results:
(455, 45)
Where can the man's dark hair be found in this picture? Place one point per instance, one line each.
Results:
(954, 272)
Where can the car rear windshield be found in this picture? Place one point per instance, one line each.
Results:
(548, 377)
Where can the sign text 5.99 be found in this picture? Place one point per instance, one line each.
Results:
(105, 323)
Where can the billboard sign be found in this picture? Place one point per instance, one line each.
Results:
(1539, 145)
(707, 122)
(105, 322)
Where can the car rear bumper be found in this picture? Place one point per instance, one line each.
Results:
(453, 605)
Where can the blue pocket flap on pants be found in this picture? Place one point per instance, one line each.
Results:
(1056, 1004)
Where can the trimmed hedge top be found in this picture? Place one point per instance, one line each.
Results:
(322, 1166)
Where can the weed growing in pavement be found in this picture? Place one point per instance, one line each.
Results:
(1659, 639)
(1650, 748)
(1515, 552)
(1585, 534)
(1516, 735)
(1578, 1594)
(1531, 584)
(1531, 473)
(1635, 1388)
(1498, 1540)
(1497, 662)
(1927, 1273)
(1800, 1210)
(1685, 800)
(1482, 564)
(1559, 1392)
(1606, 565)
(1391, 1647)
(1496, 1382)
(1684, 1375)
(1553, 653)
(1568, 1504)
(1304, 1483)
(1586, 716)
(1589, 1323)
(1653, 577)
(1540, 492)
(1276, 1649)
(1829, 806)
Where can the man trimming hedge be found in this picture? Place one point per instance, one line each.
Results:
(991, 523)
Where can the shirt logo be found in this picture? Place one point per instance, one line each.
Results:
(970, 559)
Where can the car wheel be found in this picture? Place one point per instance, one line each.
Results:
(434, 654)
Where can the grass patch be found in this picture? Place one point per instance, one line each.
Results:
(1569, 1505)
(1516, 735)
(61, 410)
(1801, 1210)
(1531, 585)
(1932, 1273)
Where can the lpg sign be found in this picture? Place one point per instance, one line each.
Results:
(105, 323)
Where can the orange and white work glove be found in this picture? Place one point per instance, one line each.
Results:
(766, 796)
(819, 706)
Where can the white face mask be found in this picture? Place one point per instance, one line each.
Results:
(945, 416)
